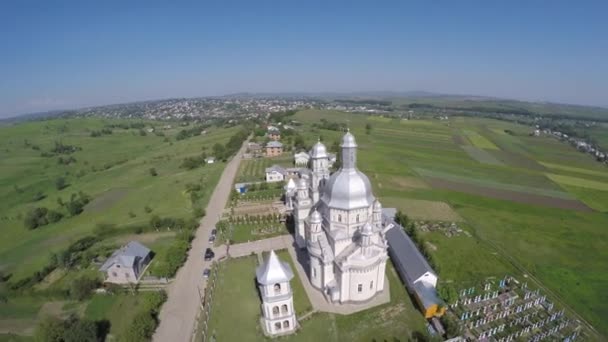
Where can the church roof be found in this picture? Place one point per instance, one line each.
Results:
(318, 151)
(273, 271)
(126, 256)
(408, 260)
(348, 189)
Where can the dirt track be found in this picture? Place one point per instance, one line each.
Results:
(514, 196)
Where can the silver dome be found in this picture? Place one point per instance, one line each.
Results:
(318, 150)
(315, 217)
(348, 189)
(348, 140)
(367, 229)
(377, 206)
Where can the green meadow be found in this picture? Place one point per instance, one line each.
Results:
(564, 250)
(129, 176)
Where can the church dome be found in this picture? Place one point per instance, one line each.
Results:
(315, 217)
(291, 185)
(377, 206)
(348, 189)
(318, 150)
(348, 140)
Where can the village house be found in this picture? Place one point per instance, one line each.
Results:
(275, 173)
(126, 264)
(274, 148)
(274, 134)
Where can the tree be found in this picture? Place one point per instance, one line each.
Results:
(82, 287)
(36, 218)
(50, 329)
(54, 216)
(141, 328)
(218, 150)
(79, 330)
(368, 128)
(60, 183)
(153, 172)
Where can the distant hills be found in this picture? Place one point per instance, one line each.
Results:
(398, 100)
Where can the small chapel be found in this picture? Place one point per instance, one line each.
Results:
(338, 222)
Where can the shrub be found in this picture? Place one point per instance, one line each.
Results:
(147, 209)
(82, 287)
(54, 216)
(141, 328)
(38, 196)
(153, 172)
(60, 183)
(36, 218)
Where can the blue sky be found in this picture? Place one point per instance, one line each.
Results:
(68, 54)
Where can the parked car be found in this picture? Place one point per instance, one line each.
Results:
(209, 254)
(211, 238)
(206, 273)
(214, 232)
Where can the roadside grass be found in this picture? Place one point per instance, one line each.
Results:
(578, 182)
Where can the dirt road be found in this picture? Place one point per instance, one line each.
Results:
(178, 314)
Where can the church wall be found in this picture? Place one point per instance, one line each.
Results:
(366, 281)
(328, 273)
(316, 273)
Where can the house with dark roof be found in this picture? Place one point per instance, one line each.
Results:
(413, 268)
(126, 264)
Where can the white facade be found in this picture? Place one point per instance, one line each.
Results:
(339, 222)
(278, 313)
(274, 176)
(301, 159)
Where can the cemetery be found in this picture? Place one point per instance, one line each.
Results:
(449, 229)
(507, 310)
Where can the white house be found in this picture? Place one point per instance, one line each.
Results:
(275, 173)
(126, 264)
(210, 160)
(273, 278)
(301, 158)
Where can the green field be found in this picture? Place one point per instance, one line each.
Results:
(564, 250)
(237, 303)
(114, 170)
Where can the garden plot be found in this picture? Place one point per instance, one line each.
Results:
(481, 155)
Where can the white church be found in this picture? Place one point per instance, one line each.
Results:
(339, 222)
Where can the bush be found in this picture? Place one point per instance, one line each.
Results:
(153, 172)
(60, 183)
(81, 288)
(141, 328)
(147, 209)
(36, 218)
(38, 196)
(54, 216)
(50, 329)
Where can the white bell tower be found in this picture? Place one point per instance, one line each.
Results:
(279, 317)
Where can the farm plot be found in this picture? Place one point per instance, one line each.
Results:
(517, 160)
(252, 170)
(422, 209)
(480, 141)
(520, 197)
(478, 180)
(576, 169)
(481, 155)
(579, 182)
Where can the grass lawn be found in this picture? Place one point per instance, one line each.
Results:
(480, 141)
(257, 231)
(237, 303)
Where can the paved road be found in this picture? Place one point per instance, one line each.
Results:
(178, 314)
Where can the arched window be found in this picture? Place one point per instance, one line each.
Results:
(285, 324)
(277, 288)
(339, 218)
(284, 309)
(314, 272)
(277, 325)
(360, 288)
(357, 218)
(275, 310)
(371, 285)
